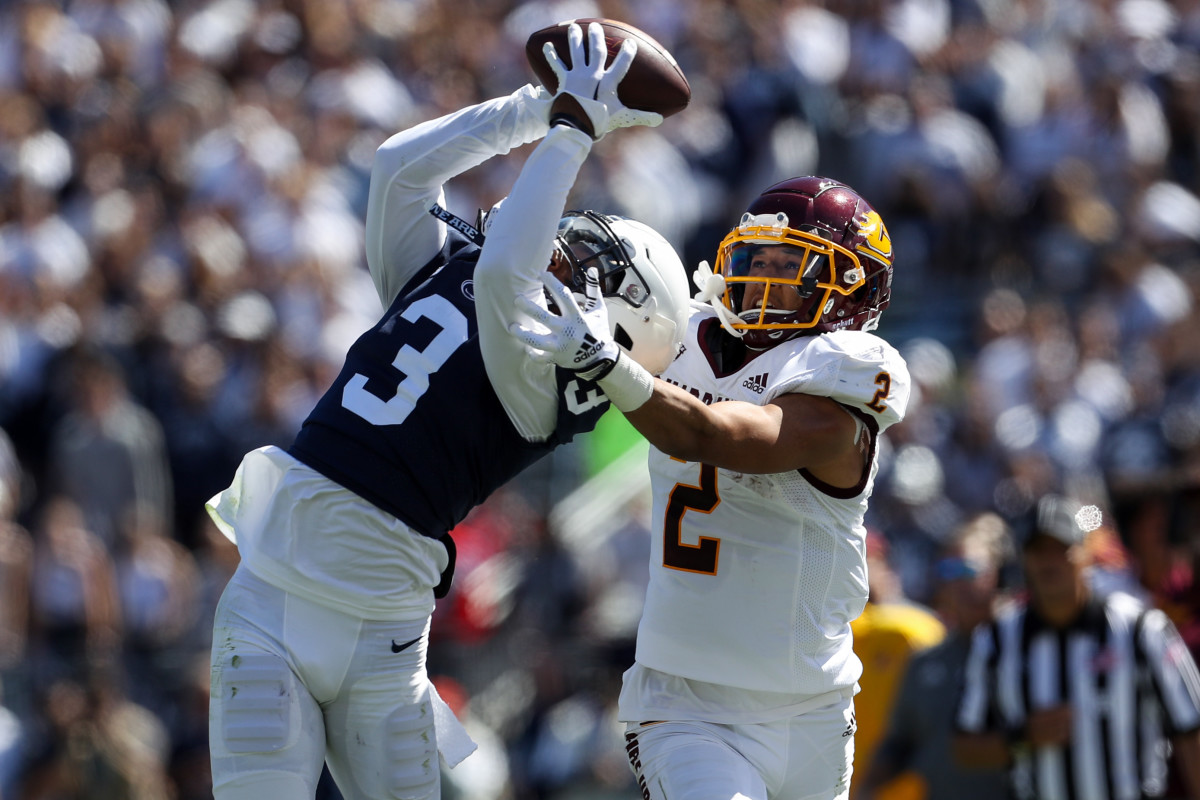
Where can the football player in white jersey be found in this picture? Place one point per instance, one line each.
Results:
(764, 435)
(319, 641)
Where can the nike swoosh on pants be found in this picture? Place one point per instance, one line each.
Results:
(396, 648)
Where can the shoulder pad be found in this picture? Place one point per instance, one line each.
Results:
(855, 368)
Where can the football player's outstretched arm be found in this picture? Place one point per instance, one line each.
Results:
(519, 245)
(411, 167)
(520, 240)
(793, 431)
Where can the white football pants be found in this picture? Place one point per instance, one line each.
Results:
(801, 758)
(296, 684)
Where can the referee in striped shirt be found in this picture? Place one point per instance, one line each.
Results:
(1079, 694)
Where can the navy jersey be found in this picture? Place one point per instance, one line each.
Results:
(412, 423)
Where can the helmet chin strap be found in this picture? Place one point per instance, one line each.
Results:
(775, 336)
(712, 289)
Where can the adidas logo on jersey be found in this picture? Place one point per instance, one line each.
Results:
(757, 383)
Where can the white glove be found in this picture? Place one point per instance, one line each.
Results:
(575, 339)
(594, 87)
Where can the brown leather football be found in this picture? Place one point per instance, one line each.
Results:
(654, 81)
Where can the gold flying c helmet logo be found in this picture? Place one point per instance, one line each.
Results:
(876, 240)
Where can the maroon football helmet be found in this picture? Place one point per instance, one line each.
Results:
(809, 256)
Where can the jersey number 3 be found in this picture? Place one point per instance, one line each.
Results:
(701, 557)
(417, 365)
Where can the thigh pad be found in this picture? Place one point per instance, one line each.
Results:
(255, 703)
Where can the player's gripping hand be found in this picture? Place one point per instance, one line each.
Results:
(590, 88)
(576, 338)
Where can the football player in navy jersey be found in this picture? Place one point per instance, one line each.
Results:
(320, 638)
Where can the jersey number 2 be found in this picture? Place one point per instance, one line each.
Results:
(417, 365)
(884, 381)
(701, 557)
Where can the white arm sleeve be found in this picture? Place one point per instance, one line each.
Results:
(411, 167)
(519, 244)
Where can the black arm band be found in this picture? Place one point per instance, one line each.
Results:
(562, 118)
(598, 370)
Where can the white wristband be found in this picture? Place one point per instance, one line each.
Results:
(628, 384)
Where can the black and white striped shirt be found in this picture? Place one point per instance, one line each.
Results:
(1130, 682)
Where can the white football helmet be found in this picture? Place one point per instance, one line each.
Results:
(644, 284)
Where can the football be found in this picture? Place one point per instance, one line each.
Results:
(654, 81)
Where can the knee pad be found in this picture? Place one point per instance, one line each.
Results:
(254, 703)
(413, 767)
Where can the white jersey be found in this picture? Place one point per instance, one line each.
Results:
(754, 579)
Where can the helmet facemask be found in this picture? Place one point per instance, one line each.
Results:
(781, 281)
(586, 239)
(641, 278)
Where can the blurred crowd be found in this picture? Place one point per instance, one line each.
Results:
(182, 192)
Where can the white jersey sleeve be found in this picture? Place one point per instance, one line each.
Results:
(411, 167)
(517, 250)
(859, 370)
